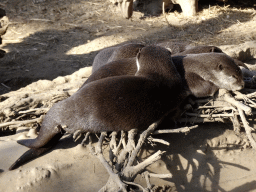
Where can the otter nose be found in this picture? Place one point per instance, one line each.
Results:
(241, 86)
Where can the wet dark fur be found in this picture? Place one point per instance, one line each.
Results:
(110, 54)
(112, 103)
(115, 53)
(183, 48)
(115, 68)
(197, 70)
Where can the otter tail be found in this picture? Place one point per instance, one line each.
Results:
(35, 152)
(27, 156)
(34, 143)
(44, 137)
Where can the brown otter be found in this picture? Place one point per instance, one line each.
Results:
(206, 73)
(115, 53)
(113, 103)
(183, 48)
(109, 54)
(203, 74)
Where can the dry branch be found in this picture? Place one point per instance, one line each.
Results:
(125, 158)
(225, 108)
(20, 123)
(179, 130)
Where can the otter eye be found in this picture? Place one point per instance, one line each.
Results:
(220, 67)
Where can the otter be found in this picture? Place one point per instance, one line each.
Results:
(113, 103)
(183, 48)
(203, 74)
(206, 73)
(110, 54)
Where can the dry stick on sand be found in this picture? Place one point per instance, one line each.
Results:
(226, 96)
(147, 176)
(241, 109)
(98, 153)
(247, 128)
(125, 169)
(214, 114)
(129, 170)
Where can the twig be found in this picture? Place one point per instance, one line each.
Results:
(146, 175)
(151, 139)
(46, 20)
(208, 116)
(77, 135)
(179, 130)
(150, 160)
(44, 110)
(143, 136)
(98, 153)
(162, 176)
(236, 124)
(245, 97)
(248, 129)
(85, 138)
(19, 123)
(127, 149)
(225, 95)
(200, 120)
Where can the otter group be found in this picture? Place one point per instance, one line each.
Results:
(132, 86)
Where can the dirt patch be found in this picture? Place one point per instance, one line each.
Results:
(56, 38)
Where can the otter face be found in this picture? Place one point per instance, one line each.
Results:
(229, 77)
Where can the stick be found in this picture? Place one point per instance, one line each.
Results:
(162, 176)
(179, 130)
(150, 160)
(151, 139)
(228, 98)
(44, 110)
(248, 129)
(19, 123)
(209, 116)
(98, 153)
(85, 138)
(143, 136)
(200, 120)
(127, 149)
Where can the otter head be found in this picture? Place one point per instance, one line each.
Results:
(227, 74)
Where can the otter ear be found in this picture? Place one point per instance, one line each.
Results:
(220, 67)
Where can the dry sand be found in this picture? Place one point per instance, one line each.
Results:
(210, 158)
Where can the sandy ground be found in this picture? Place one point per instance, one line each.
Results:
(49, 39)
